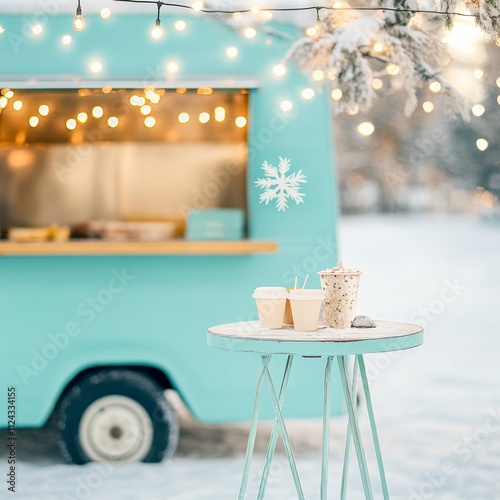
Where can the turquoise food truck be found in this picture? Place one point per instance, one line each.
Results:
(147, 186)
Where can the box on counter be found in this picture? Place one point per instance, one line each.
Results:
(215, 224)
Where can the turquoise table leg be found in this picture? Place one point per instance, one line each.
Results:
(347, 453)
(326, 427)
(253, 429)
(284, 432)
(373, 426)
(274, 434)
(353, 421)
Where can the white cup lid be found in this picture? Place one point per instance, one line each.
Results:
(307, 294)
(270, 291)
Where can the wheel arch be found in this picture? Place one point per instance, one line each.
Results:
(156, 374)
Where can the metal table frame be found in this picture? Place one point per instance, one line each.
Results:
(250, 338)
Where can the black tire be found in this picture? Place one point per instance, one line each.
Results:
(133, 404)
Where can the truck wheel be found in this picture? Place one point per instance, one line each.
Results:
(116, 415)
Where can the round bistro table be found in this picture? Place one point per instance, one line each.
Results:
(328, 343)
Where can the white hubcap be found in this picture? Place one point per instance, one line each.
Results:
(115, 429)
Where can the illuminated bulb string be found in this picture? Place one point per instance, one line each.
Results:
(316, 8)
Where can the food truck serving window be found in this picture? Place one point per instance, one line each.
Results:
(79, 157)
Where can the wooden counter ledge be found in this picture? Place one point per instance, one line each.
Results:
(170, 247)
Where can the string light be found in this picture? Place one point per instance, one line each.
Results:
(255, 9)
(478, 73)
(365, 128)
(149, 121)
(9, 94)
(146, 109)
(428, 107)
(204, 117)
(34, 121)
(113, 122)
(180, 25)
(79, 22)
(37, 29)
(478, 110)
(172, 67)
(435, 87)
(43, 110)
(336, 94)
(482, 144)
(96, 66)
(377, 83)
(231, 52)
(17, 105)
(97, 112)
(66, 40)
(220, 114)
(2, 29)
(156, 31)
(71, 124)
(249, 32)
(307, 94)
(317, 75)
(82, 117)
(198, 5)
(279, 69)
(105, 13)
(183, 117)
(3, 102)
(378, 48)
(286, 106)
(392, 69)
(240, 121)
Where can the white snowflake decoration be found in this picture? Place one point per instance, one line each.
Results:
(279, 186)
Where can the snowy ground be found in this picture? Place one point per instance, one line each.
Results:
(438, 406)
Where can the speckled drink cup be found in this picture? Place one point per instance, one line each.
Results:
(341, 293)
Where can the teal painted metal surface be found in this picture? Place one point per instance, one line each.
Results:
(57, 317)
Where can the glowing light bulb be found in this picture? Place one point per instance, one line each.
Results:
(255, 9)
(392, 69)
(482, 144)
(478, 73)
(266, 15)
(249, 32)
(478, 110)
(105, 13)
(307, 94)
(96, 66)
(149, 121)
(17, 105)
(172, 67)
(97, 112)
(231, 52)
(220, 114)
(365, 128)
(377, 83)
(2, 29)
(155, 98)
(353, 110)
(183, 117)
(204, 117)
(286, 106)
(498, 100)
(71, 124)
(180, 25)
(37, 29)
(9, 94)
(317, 75)
(34, 121)
(3, 102)
(79, 22)
(156, 31)
(43, 110)
(112, 122)
(498, 81)
(237, 16)
(198, 5)
(428, 106)
(312, 31)
(435, 87)
(82, 117)
(279, 69)
(66, 40)
(336, 94)
(146, 109)
(378, 48)
(240, 121)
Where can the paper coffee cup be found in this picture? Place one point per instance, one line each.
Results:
(340, 287)
(306, 307)
(270, 305)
